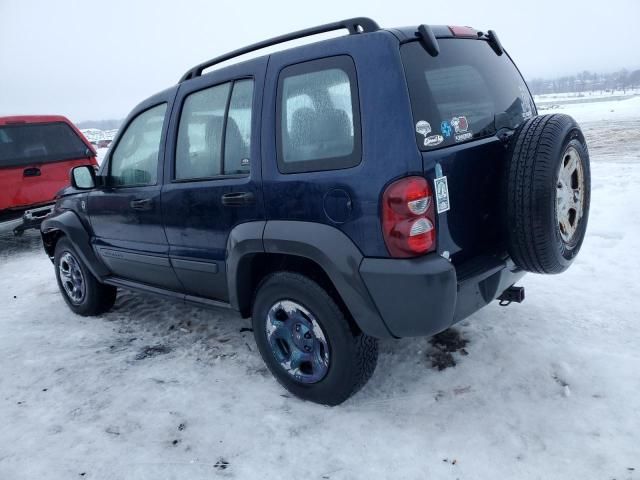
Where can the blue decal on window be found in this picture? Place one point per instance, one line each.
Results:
(445, 128)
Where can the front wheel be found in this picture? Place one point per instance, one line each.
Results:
(306, 341)
(80, 289)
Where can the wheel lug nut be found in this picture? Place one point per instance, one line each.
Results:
(297, 328)
(307, 335)
(307, 348)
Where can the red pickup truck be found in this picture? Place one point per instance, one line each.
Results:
(36, 154)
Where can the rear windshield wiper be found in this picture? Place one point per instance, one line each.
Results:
(502, 126)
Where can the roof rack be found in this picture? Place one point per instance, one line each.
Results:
(354, 25)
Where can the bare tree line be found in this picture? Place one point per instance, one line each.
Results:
(587, 81)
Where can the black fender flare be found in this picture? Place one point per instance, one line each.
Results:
(68, 223)
(244, 241)
(323, 244)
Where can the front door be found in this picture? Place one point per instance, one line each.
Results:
(126, 214)
(214, 176)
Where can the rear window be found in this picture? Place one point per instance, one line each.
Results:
(466, 92)
(26, 144)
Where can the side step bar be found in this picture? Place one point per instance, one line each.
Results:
(181, 297)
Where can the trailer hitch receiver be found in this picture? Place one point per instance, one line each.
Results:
(511, 294)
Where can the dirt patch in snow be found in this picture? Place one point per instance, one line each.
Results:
(152, 351)
(445, 344)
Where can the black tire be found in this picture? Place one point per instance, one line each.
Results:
(535, 239)
(352, 355)
(98, 298)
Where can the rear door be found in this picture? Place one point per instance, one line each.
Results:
(463, 100)
(213, 173)
(35, 159)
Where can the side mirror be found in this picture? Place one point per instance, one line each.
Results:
(83, 177)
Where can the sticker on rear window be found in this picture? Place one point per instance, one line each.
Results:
(423, 128)
(433, 140)
(442, 194)
(445, 128)
(461, 137)
(461, 127)
(460, 124)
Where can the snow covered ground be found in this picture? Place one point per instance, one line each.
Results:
(599, 110)
(549, 389)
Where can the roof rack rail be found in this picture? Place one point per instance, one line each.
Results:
(354, 25)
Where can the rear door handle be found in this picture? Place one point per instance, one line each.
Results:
(141, 204)
(238, 199)
(31, 172)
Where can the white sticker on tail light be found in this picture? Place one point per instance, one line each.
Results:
(442, 194)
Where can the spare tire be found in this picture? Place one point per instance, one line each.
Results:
(546, 193)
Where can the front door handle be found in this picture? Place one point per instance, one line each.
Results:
(141, 204)
(31, 172)
(238, 199)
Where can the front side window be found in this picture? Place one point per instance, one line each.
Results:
(135, 159)
(318, 116)
(466, 92)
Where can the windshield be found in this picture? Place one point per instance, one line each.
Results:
(466, 92)
(25, 144)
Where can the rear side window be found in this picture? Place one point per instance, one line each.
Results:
(214, 134)
(318, 118)
(199, 145)
(464, 93)
(237, 139)
(26, 144)
(135, 159)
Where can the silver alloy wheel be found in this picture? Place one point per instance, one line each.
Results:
(71, 278)
(297, 341)
(570, 192)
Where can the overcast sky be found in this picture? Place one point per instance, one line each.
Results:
(95, 60)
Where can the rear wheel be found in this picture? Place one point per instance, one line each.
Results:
(79, 288)
(306, 341)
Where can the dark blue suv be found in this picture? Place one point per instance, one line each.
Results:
(383, 184)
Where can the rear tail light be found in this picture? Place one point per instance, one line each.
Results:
(408, 222)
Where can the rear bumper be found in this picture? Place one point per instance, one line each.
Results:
(19, 221)
(424, 296)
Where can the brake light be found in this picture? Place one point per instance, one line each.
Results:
(463, 31)
(408, 223)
